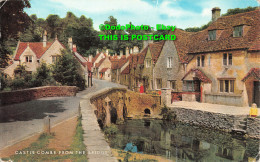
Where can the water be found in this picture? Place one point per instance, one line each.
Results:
(181, 142)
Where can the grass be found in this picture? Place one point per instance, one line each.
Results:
(38, 150)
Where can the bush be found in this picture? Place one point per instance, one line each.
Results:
(167, 115)
(111, 130)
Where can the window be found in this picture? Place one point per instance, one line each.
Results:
(159, 83)
(28, 58)
(226, 86)
(224, 59)
(212, 35)
(173, 84)
(169, 62)
(238, 31)
(230, 59)
(188, 86)
(148, 63)
(201, 61)
(198, 61)
(227, 59)
(54, 59)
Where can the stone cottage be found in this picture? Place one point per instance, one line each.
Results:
(225, 64)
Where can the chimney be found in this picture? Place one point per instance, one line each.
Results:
(70, 43)
(215, 13)
(136, 49)
(44, 41)
(121, 53)
(126, 52)
(90, 58)
(74, 48)
(106, 51)
(97, 51)
(131, 50)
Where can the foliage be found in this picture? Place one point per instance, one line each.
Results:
(13, 20)
(67, 71)
(111, 130)
(42, 76)
(167, 115)
(239, 10)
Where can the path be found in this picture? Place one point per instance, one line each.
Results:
(215, 108)
(97, 148)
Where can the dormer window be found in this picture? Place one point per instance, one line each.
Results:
(212, 34)
(238, 31)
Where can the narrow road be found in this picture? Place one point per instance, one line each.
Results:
(19, 121)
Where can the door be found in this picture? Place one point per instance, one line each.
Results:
(197, 89)
(256, 98)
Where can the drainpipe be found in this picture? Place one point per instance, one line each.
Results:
(153, 77)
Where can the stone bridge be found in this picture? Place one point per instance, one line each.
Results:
(115, 104)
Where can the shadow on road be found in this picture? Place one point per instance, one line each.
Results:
(30, 110)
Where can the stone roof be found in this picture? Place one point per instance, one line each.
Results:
(199, 74)
(255, 72)
(199, 42)
(155, 49)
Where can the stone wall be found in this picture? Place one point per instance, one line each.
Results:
(253, 127)
(36, 93)
(224, 99)
(218, 121)
(206, 119)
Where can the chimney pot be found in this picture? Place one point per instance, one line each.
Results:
(70, 43)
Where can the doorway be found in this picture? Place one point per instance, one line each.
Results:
(256, 97)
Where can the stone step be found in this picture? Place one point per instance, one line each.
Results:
(242, 126)
(241, 131)
(243, 122)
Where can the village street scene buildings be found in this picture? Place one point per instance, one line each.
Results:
(218, 65)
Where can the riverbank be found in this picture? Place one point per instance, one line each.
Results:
(220, 117)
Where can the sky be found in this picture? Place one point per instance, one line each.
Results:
(179, 13)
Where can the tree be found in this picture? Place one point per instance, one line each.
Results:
(42, 76)
(67, 71)
(239, 10)
(13, 20)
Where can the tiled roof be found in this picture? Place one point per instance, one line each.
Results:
(256, 45)
(100, 62)
(199, 41)
(182, 43)
(155, 49)
(114, 64)
(141, 56)
(199, 74)
(36, 47)
(103, 70)
(255, 72)
(126, 70)
(83, 61)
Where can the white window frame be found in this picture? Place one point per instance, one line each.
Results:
(169, 62)
(28, 58)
